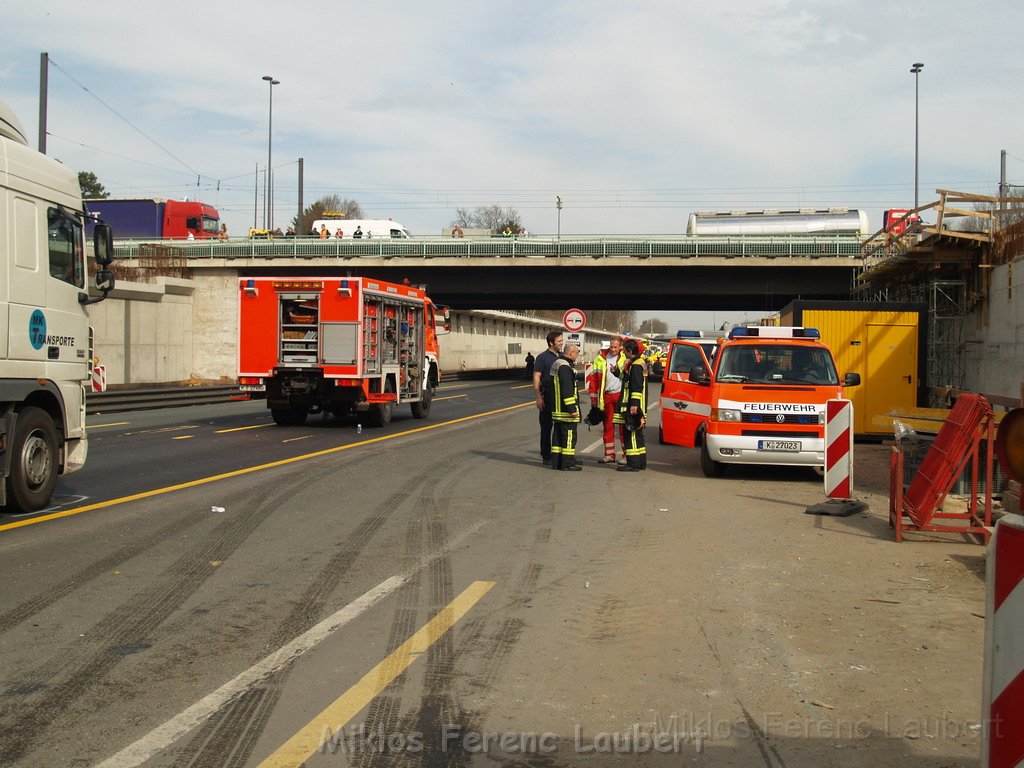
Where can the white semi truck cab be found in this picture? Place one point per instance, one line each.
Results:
(45, 338)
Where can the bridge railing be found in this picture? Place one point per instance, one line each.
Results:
(596, 247)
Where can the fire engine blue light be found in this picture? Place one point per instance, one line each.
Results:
(250, 283)
(735, 333)
(688, 334)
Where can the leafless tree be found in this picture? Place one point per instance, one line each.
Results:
(329, 206)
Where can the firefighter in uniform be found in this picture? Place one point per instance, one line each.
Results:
(605, 388)
(565, 410)
(633, 408)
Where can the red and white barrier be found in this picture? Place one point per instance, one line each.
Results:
(1002, 714)
(99, 378)
(838, 449)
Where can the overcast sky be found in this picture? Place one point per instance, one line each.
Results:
(635, 113)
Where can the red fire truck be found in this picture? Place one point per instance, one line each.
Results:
(345, 345)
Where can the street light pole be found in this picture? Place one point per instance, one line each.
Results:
(916, 69)
(268, 211)
(558, 205)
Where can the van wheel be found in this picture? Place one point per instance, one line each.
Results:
(33, 461)
(381, 413)
(289, 417)
(709, 466)
(819, 471)
(421, 409)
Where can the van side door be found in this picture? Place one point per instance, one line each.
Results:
(685, 404)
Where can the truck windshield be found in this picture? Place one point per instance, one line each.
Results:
(776, 364)
(211, 226)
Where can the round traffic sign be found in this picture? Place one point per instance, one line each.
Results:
(574, 320)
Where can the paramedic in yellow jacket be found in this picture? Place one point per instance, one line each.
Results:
(605, 385)
(632, 413)
(565, 410)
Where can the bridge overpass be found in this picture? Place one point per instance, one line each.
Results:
(609, 272)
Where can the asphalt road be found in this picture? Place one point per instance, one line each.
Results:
(214, 590)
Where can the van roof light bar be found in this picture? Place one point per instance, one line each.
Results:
(774, 332)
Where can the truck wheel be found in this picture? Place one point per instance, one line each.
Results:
(380, 414)
(709, 466)
(421, 409)
(289, 417)
(33, 461)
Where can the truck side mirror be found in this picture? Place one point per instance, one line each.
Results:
(699, 375)
(104, 283)
(446, 318)
(851, 380)
(103, 244)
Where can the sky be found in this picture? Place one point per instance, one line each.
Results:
(635, 114)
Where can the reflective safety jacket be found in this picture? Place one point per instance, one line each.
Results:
(599, 374)
(566, 400)
(634, 391)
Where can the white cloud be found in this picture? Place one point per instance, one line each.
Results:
(635, 113)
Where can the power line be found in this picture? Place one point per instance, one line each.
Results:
(125, 119)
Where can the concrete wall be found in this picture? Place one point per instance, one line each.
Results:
(176, 330)
(144, 332)
(994, 336)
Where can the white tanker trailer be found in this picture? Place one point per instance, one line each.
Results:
(804, 221)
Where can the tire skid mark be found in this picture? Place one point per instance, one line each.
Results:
(383, 714)
(215, 748)
(129, 624)
(438, 704)
(34, 605)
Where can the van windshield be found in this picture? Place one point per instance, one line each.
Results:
(776, 364)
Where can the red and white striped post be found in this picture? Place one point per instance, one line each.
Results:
(838, 462)
(1002, 717)
(839, 449)
(99, 378)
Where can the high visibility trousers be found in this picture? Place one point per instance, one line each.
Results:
(563, 444)
(611, 404)
(635, 446)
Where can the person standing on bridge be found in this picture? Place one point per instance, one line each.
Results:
(632, 411)
(605, 387)
(542, 390)
(565, 410)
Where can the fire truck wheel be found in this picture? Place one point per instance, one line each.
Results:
(380, 414)
(289, 417)
(709, 466)
(421, 409)
(33, 461)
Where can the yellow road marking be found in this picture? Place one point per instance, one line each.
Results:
(248, 470)
(112, 424)
(521, 386)
(453, 386)
(450, 397)
(183, 437)
(303, 744)
(239, 429)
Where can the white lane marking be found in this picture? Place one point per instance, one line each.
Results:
(293, 439)
(164, 735)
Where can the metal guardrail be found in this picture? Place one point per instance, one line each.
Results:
(679, 246)
(116, 401)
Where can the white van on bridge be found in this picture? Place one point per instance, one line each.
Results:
(373, 229)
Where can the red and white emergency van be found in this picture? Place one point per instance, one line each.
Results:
(761, 401)
(338, 344)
